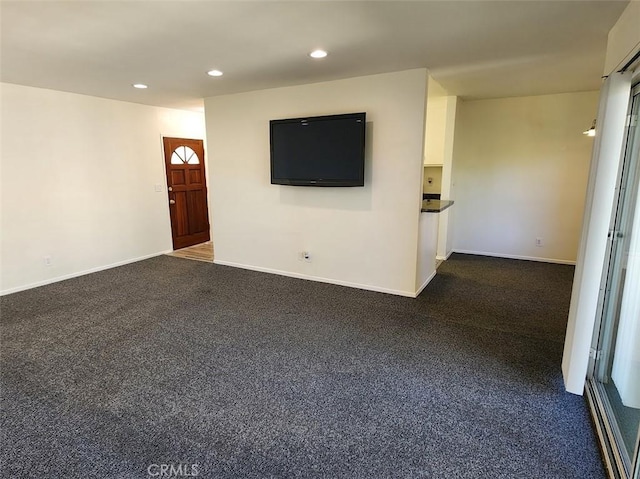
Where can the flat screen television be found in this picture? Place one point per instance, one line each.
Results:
(318, 151)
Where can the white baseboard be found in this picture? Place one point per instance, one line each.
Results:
(444, 258)
(80, 273)
(426, 282)
(319, 279)
(514, 256)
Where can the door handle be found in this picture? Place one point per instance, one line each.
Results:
(170, 188)
(172, 202)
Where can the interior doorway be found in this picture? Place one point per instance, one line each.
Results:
(187, 191)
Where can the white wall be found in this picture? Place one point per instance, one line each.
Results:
(427, 246)
(435, 129)
(435, 123)
(520, 170)
(78, 183)
(363, 236)
(445, 233)
(435, 173)
(439, 139)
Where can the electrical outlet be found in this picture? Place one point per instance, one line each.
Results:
(538, 241)
(47, 260)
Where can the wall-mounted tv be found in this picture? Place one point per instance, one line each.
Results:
(318, 151)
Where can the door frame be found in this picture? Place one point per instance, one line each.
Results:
(601, 410)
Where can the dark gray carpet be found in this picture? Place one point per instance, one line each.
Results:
(251, 375)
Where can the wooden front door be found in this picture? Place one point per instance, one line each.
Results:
(184, 160)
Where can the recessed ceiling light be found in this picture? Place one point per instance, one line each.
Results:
(141, 86)
(214, 73)
(318, 54)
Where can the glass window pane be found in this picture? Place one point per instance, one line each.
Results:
(191, 156)
(184, 154)
(177, 158)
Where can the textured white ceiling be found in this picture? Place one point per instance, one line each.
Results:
(475, 49)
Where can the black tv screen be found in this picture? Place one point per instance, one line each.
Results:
(318, 151)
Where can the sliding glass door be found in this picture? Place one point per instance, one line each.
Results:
(614, 384)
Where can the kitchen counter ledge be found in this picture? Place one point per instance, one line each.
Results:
(435, 206)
